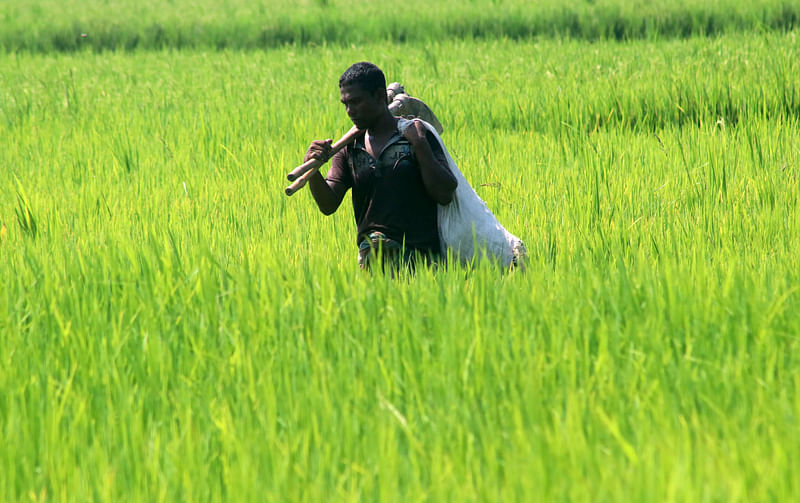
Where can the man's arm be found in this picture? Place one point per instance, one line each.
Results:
(436, 176)
(328, 195)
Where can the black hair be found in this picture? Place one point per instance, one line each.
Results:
(366, 75)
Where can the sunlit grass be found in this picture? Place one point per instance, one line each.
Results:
(100, 25)
(176, 328)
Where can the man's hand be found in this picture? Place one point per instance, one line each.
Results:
(320, 150)
(415, 132)
(327, 195)
(436, 176)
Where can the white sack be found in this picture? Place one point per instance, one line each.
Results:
(467, 228)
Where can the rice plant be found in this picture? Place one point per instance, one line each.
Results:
(180, 330)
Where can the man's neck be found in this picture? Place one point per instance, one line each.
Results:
(384, 126)
(379, 134)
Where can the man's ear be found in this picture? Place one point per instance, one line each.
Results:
(380, 94)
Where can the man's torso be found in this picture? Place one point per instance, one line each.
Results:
(389, 195)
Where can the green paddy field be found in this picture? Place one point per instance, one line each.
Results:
(174, 328)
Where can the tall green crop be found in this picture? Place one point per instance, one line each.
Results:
(67, 26)
(180, 330)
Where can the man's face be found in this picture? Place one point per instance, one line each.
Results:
(362, 107)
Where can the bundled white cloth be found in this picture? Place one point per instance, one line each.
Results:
(467, 228)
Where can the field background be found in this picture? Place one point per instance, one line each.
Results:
(174, 328)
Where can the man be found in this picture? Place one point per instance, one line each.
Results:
(397, 178)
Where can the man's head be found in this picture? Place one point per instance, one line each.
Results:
(366, 75)
(363, 91)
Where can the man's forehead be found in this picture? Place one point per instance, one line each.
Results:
(352, 90)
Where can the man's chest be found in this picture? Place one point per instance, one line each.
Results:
(397, 159)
